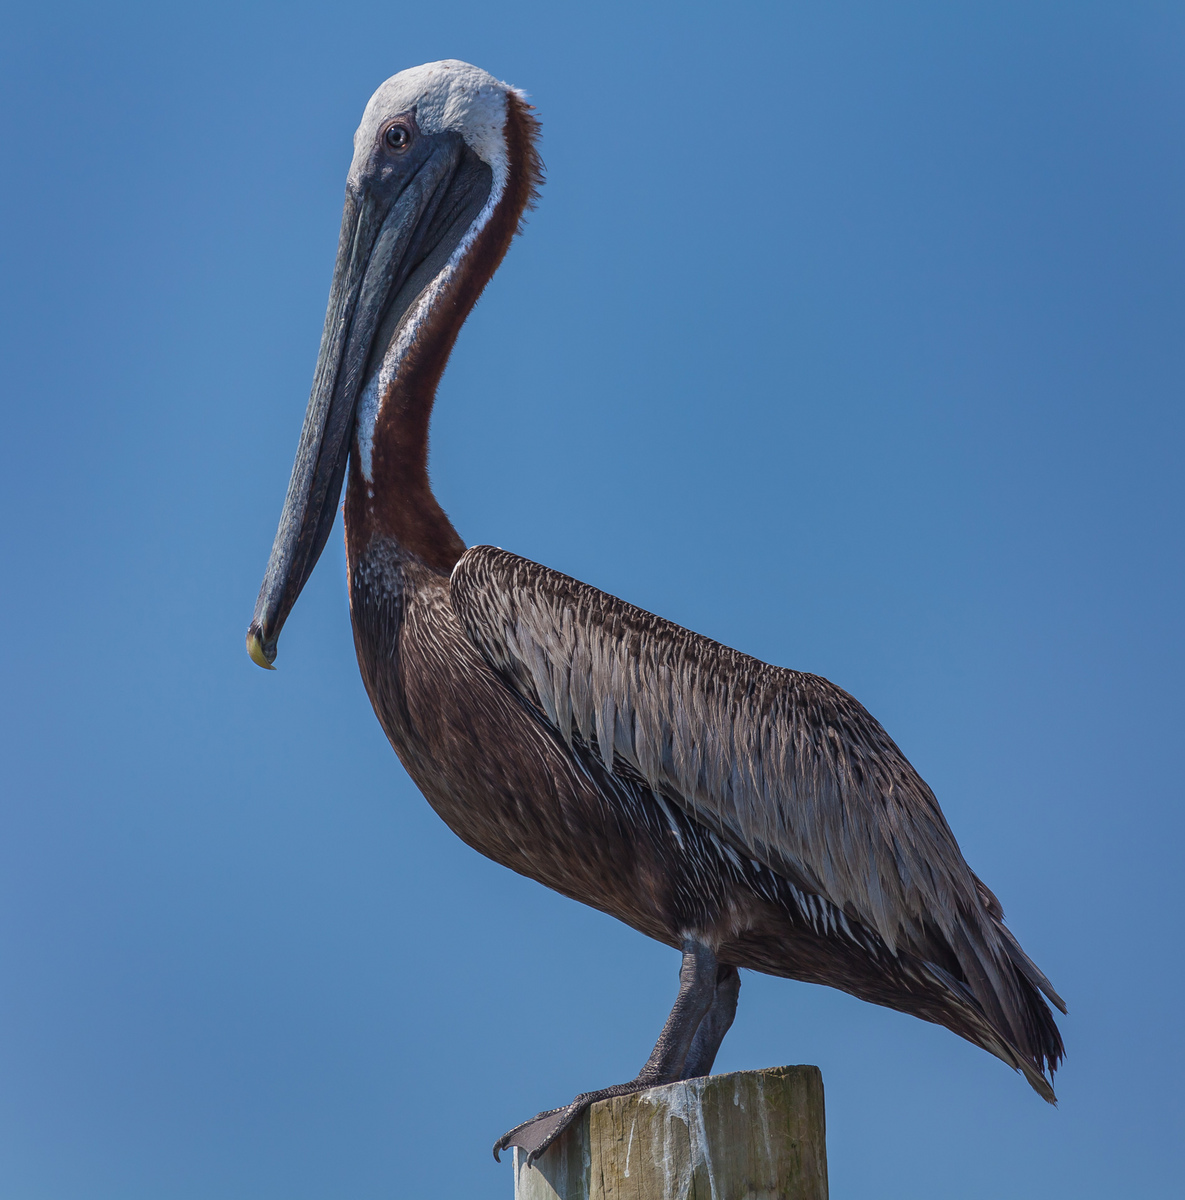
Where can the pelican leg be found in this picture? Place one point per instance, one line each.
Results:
(715, 1024)
(704, 987)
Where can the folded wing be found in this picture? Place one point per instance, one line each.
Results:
(786, 766)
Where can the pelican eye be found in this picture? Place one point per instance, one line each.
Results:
(398, 137)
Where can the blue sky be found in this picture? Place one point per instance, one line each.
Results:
(846, 334)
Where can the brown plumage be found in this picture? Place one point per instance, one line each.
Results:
(750, 815)
(783, 769)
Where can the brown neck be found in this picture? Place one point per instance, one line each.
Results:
(399, 503)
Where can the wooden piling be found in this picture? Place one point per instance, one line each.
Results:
(752, 1135)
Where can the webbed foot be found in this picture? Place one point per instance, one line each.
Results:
(534, 1136)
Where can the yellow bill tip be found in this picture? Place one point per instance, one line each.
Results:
(255, 649)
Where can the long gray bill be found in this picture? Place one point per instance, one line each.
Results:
(382, 241)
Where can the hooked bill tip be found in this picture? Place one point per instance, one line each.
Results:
(256, 650)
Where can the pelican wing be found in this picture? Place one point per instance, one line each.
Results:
(786, 766)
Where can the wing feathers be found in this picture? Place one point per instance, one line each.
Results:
(784, 765)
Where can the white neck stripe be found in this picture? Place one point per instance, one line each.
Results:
(373, 394)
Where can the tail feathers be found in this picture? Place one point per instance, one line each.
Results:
(1025, 965)
(1029, 1042)
(1033, 1026)
(1040, 1083)
(973, 1024)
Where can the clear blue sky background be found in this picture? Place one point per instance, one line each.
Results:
(847, 334)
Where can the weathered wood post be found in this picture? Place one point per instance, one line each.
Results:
(753, 1135)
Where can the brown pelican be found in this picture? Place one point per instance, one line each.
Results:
(746, 814)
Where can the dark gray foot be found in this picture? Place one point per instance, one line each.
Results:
(534, 1136)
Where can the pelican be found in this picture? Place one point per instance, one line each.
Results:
(747, 815)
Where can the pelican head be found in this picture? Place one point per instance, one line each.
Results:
(429, 172)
